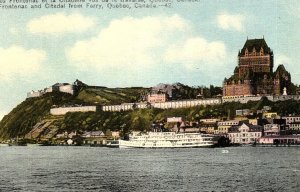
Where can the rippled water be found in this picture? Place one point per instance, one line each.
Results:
(105, 169)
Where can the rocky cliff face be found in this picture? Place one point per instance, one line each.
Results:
(45, 129)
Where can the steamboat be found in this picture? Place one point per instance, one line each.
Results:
(166, 140)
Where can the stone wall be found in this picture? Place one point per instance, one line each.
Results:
(64, 110)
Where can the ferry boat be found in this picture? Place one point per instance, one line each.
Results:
(113, 144)
(34, 144)
(4, 145)
(166, 140)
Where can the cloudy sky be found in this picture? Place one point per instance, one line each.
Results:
(195, 44)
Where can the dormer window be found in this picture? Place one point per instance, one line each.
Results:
(246, 52)
(261, 51)
(254, 51)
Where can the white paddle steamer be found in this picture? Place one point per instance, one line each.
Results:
(166, 140)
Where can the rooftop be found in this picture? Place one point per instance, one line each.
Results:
(257, 44)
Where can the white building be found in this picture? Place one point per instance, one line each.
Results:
(209, 121)
(35, 94)
(280, 140)
(157, 98)
(186, 103)
(66, 88)
(242, 112)
(291, 119)
(162, 105)
(124, 107)
(64, 110)
(241, 99)
(224, 125)
(246, 98)
(244, 133)
(271, 129)
(60, 87)
(174, 119)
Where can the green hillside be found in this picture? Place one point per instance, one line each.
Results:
(31, 118)
(33, 110)
(111, 95)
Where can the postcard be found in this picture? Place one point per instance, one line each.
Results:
(149, 95)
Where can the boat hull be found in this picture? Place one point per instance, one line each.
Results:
(158, 147)
(166, 140)
(34, 145)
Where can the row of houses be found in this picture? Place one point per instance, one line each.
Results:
(87, 137)
(246, 131)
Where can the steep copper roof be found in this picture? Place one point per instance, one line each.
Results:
(281, 69)
(257, 44)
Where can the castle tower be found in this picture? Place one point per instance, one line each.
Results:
(257, 56)
(254, 73)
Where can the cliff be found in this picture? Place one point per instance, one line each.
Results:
(31, 118)
(31, 113)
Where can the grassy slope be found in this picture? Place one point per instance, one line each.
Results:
(24, 116)
(31, 111)
(111, 95)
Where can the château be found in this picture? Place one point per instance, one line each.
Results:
(254, 74)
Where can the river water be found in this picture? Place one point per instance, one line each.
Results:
(108, 169)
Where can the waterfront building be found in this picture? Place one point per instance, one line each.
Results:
(185, 128)
(115, 134)
(224, 125)
(94, 138)
(209, 125)
(280, 140)
(88, 134)
(244, 133)
(294, 126)
(254, 74)
(271, 129)
(291, 119)
(209, 128)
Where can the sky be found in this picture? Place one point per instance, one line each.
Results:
(192, 43)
